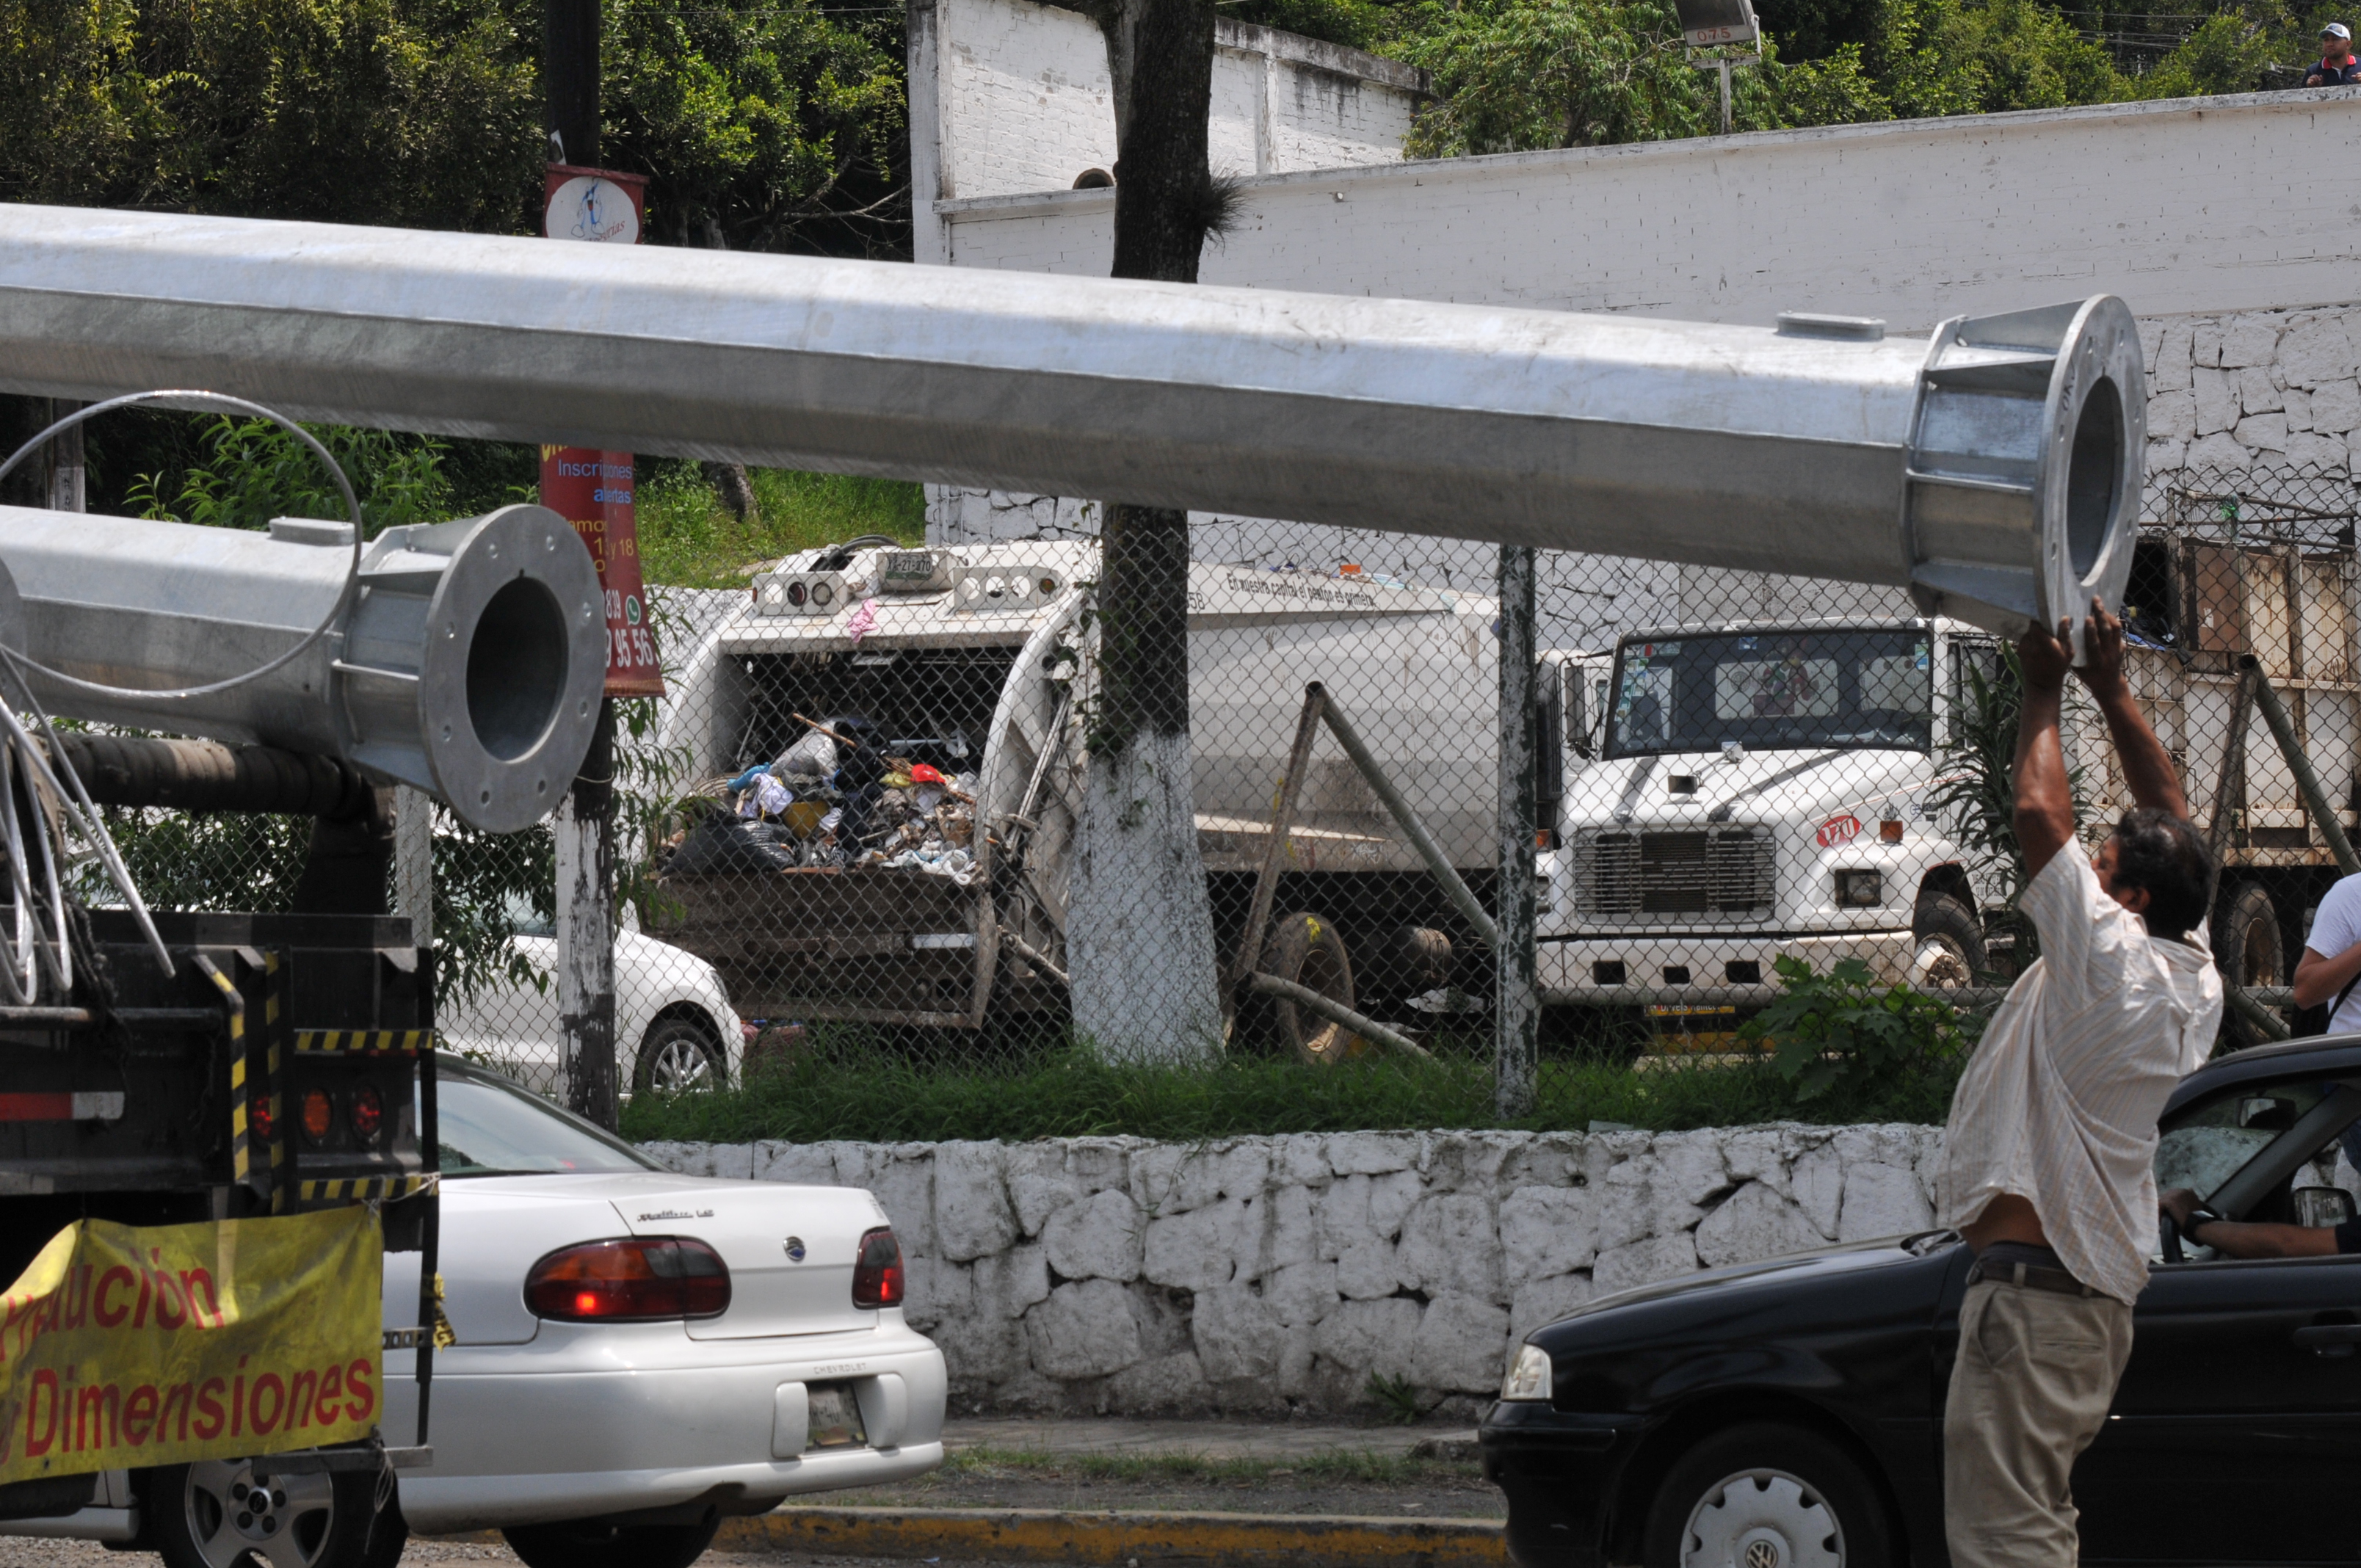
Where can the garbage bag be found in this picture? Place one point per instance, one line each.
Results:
(719, 846)
(814, 756)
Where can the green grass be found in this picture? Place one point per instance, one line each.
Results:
(1332, 1468)
(860, 1086)
(688, 539)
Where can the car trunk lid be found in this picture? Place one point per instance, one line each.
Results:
(790, 1250)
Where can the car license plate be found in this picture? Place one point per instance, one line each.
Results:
(835, 1417)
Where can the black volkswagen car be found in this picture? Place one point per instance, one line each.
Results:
(1789, 1413)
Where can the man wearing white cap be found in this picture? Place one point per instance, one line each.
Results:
(2337, 68)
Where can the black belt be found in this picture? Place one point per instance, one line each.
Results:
(2030, 1277)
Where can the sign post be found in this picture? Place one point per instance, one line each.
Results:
(593, 489)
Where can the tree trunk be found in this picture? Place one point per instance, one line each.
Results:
(1139, 926)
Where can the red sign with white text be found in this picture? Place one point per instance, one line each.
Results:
(593, 489)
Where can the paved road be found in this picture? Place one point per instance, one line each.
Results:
(17, 1552)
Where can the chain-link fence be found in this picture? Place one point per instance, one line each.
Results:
(861, 836)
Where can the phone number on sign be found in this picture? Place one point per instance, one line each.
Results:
(629, 648)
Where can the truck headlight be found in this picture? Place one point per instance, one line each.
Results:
(1529, 1375)
(1861, 890)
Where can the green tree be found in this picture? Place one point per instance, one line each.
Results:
(1966, 57)
(762, 126)
(403, 112)
(1533, 73)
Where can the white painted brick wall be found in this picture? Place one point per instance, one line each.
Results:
(1273, 1274)
(2183, 207)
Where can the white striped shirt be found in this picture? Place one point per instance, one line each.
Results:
(2059, 1105)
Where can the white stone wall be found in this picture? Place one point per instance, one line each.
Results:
(1271, 1274)
(1009, 96)
(2269, 390)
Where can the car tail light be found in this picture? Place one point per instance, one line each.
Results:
(877, 1277)
(319, 1114)
(630, 1279)
(369, 1114)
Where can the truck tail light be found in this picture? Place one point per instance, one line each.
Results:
(369, 1114)
(319, 1115)
(634, 1279)
(877, 1276)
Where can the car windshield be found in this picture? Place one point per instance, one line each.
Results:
(489, 1128)
(1846, 687)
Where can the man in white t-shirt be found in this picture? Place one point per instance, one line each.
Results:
(2330, 970)
(2047, 1160)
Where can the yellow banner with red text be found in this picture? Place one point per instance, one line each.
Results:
(124, 1346)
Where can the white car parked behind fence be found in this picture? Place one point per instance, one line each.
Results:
(675, 1028)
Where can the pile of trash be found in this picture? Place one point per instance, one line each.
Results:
(834, 800)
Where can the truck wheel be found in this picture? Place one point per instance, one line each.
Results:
(1763, 1493)
(678, 1057)
(1947, 944)
(2247, 946)
(211, 1513)
(1308, 949)
(589, 1545)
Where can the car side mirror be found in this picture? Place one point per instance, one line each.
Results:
(2319, 1208)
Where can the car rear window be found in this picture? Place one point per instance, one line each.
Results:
(486, 1127)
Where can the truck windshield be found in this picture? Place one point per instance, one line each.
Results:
(1849, 687)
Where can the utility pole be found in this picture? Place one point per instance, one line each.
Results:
(569, 73)
(1516, 1007)
(585, 821)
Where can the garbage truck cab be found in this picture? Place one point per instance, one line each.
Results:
(1761, 791)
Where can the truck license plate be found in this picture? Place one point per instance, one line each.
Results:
(835, 1417)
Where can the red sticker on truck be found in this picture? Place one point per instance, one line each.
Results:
(1839, 830)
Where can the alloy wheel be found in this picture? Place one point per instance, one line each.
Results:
(681, 1063)
(285, 1524)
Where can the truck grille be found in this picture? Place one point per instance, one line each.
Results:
(1715, 870)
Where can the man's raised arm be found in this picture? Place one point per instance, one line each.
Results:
(2045, 801)
(2147, 768)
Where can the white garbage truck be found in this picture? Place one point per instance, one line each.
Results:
(976, 662)
(1763, 789)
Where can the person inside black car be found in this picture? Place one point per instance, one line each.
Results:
(2243, 1238)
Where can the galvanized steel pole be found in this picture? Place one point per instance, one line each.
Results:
(1994, 468)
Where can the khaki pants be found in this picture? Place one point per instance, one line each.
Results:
(2036, 1373)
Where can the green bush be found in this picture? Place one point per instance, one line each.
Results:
(1842, 1030)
